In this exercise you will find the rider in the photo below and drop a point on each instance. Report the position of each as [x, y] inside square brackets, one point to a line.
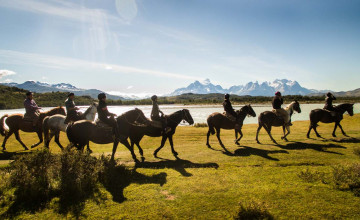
[229, 109]
[107, 117]
[31, 108]
[155, 114]
[276, 103]
[71, 109]
[328, 103]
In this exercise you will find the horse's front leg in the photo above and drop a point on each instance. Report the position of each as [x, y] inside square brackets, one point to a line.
[268, 130]
[131, 149]
[140, 149]
[336, 125]
[238, 139]
[116, 143]
[57, 140]
[39, 133]
[163, 140]
[308, 133]
[257, 134]
[172, 147]
[288, 132]
[342, 131]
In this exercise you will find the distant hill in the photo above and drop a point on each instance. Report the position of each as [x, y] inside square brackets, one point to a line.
[286, 87]
[352, 93]
[41, 87]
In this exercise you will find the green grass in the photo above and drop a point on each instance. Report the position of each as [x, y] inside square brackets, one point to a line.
[291, 180]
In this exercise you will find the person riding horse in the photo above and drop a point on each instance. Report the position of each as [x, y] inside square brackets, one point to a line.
[328, 103]
[71, 109]
[229, 110]
[276, 103]
[106, 117]
[155, 114]
[31, 108]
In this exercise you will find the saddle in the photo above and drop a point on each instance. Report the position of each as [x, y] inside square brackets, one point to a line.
[103, 125]
[156, 124]
[230, 117]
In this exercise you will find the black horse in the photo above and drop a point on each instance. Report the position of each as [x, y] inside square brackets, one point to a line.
[325, 116]
[82, 132]
[173, 120]
[217, 120]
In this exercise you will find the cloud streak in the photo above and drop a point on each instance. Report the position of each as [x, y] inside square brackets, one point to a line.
[54, 62]
[4, 73]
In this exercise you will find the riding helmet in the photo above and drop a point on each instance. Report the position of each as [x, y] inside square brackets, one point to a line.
[71, 94]
[101, 96]
[227, 96]
[154, 97]
[28, 93]
[328, 94]
[277, 93]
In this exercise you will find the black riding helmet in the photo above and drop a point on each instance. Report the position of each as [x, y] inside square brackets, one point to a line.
[153, 98]
[227, 96]
[28, 93]
[101, 96]
[71, 94]
[329, 94]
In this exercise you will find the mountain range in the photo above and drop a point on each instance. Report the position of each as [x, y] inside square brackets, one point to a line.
[286, 87]
[41, 87]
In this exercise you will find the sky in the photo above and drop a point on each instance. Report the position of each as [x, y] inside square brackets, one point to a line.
[156, 46]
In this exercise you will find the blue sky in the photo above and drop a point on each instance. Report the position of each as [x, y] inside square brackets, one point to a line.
[156, 46]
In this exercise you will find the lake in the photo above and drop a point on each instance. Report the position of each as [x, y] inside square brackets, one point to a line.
[200, 112]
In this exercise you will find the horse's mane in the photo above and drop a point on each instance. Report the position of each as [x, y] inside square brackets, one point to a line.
[89, 109]
[344, 106]
[175, 113]
[288, 106]
[54, 110]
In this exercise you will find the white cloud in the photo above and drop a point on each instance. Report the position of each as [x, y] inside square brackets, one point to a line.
[130, 87]
[4, 73]
[8, 80]
[54, 62]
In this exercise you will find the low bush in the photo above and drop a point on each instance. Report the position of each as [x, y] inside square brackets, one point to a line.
[357, 151]
[200, 125]
[310, 177]
[253, 211]
[347, 177]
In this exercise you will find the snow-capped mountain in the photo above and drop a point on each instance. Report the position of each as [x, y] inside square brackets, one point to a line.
[286, 87]
[42, 87]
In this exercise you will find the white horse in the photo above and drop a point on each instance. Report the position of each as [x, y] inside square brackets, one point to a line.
[268, 119]
[52, 125]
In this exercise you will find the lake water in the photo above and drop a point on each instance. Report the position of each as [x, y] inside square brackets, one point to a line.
[200, 112]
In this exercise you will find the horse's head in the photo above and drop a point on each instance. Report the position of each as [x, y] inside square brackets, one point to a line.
[141, 118]
[350, 109]
[250, 111]
[187, 116]
[296, 106]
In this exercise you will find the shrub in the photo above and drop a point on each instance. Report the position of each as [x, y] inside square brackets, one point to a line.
[311, 177]
[200, 125]
[347, 178]
[357, 151]
[253, 211]
[79, 175]
[34, 176]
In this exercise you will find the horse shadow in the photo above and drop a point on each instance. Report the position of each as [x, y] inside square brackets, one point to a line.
[317, 147]
[116, 178]
[344, 140]
[246, 151]
[6, 155]
[179, 165]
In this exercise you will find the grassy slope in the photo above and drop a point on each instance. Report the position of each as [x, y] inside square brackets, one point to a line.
[209, 184]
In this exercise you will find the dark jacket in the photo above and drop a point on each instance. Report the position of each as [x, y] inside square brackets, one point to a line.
[277, 102]
[328, 103]
[104, 113]
[155, 112]
[228, 108]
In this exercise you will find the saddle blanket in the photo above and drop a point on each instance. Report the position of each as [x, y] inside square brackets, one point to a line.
[156, 124]
[232, 118]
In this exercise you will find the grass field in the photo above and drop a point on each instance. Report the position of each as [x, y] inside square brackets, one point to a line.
[289, 180]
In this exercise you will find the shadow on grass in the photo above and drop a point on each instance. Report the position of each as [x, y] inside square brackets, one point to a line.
[116, 178]
[248, 151]
[5, 155]
[344, 140]
[317, 147]
[179, 165]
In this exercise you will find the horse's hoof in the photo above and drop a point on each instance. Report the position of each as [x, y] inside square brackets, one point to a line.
[208, 145]
[142, 159]
[282, 138]
[334, 135]
[175, 153]
[137, 161]
[286, 139]
[236, 142]
[155, 154]
[258, 142]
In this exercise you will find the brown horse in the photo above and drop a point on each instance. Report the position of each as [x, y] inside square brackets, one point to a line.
[16, 122]
[219, 121]
[325, 116]
[173, 120]
[268, 119]
[82, 132]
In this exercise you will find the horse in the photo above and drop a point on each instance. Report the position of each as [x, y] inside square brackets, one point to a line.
[219, 120]
[52, 125]
[325, 116]
[82, 132]
[173, 120]
[268, 119]
[16, 122]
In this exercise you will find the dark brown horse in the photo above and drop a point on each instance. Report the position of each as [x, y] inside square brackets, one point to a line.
[219, 120]
[324, 116]
[268, 119]
[173, 120]
[16, 122]
[82, 132]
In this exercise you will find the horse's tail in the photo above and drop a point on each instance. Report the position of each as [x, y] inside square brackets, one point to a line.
[3, 130]
[46, 128]
[210, 124]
